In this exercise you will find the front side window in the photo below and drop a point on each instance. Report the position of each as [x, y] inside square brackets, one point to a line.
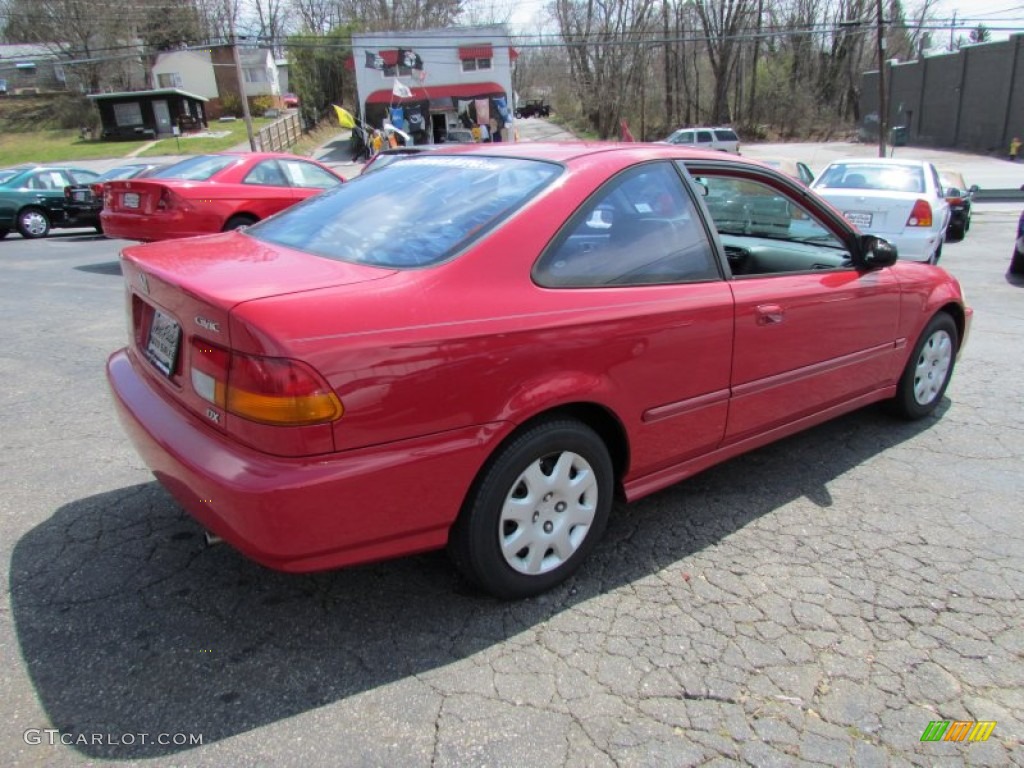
[266, 174]
[308, 176]
[415, 213]
[641, 228]
[765, 230]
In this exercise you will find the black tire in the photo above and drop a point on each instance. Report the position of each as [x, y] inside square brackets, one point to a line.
[955, 233]
[1017, 262]
[33, 222]
[3, 233]
[576, 519]
[238, 221]
[928, 369]
[98, 226]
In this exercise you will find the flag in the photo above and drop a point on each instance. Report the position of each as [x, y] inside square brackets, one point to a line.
[401, 90]
[374, 60]
[409, 59]
[345, 117]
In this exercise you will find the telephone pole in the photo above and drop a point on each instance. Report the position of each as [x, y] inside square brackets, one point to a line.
[881, 81]
[240, 75]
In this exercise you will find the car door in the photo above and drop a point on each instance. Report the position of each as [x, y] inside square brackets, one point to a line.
[812, 331]
[47, 187]
[307, 179]
[639, 249]
[266, 190]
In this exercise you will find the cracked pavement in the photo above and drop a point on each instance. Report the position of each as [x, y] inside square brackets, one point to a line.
[816, 602]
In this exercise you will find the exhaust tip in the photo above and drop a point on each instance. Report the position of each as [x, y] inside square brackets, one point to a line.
[212, 539]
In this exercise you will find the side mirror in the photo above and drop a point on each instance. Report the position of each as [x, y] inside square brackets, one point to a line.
[953, 192]
[876, 253]
[974, 188]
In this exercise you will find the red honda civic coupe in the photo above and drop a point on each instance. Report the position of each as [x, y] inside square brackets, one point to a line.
[480, 347]
[206, 194]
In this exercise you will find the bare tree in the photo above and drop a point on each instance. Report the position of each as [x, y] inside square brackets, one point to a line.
[723, 21]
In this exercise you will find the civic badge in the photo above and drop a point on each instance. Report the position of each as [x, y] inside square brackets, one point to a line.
[209, 325]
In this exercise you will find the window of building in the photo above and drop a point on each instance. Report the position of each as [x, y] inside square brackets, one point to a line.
[256, 75]
[169, 80]
[474, 65]
[128, 114]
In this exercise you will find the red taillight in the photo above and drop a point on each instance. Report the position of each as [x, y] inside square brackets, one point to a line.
[955, 200]
[271, 390]
[921, 215]
[97, 190]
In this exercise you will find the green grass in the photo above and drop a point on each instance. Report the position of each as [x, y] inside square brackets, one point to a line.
[66, 146]
[58, 147]
[202, 144]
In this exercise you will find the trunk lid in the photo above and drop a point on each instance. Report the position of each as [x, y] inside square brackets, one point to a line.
[180, 293]
[877, 213]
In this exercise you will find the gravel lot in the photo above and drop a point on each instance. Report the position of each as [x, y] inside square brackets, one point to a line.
[815, 602]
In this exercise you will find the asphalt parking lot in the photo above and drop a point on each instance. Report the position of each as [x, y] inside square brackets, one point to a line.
[817, 602]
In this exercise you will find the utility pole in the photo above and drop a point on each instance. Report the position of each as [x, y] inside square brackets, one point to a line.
[881, 80]
[241, 92]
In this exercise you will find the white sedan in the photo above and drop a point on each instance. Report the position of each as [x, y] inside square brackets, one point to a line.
[899, 200]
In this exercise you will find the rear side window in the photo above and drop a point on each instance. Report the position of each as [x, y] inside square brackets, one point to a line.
[726, 135]
[641, 228]
[704, 137]
[421, 212]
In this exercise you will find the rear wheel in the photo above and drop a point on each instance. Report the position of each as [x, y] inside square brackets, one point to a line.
[3, 233]
[239, 221]
[537, 510]
[955, 233]
[33, 222]
[98, 226]
[928, 369]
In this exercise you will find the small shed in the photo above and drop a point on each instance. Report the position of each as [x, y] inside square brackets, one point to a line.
[150, 114]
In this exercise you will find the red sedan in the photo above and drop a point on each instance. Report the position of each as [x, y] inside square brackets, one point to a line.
[480, 347]
[210, 193]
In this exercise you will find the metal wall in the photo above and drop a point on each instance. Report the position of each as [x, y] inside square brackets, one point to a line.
[972, 99]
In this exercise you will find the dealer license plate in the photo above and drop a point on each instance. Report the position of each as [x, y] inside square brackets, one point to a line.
[164, 338]
[130, 199]
[858, 218]
[79, 195]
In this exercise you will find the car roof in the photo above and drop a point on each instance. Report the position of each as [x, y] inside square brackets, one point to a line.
[564, 152]
[895, 161]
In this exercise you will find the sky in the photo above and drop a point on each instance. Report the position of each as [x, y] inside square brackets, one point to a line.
[994, 14]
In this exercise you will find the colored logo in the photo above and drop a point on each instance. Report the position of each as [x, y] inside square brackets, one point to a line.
[958, 730]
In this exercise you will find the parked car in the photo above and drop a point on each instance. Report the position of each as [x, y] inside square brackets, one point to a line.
[478, 349]
[459, 136]
[83, 202]
[290, 100]
[32, 199]
[722, 139]
[210, 193]
[960, 198]
[793, 168]
[533, 108]
[388, 156]
[900, 200]
[1017, 261]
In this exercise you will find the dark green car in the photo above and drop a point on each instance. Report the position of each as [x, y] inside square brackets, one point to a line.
[32, 199]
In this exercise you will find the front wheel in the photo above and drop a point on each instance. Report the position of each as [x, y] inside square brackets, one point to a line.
[538, 508]
[1017, 262]
[928, 370]
[33, 222]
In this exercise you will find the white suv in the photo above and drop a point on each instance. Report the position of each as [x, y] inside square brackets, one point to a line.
[722, 139]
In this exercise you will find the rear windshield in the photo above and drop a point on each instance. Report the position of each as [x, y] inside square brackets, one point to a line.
[411, 214]
[893, 178]
[726, 135]
[195, 168]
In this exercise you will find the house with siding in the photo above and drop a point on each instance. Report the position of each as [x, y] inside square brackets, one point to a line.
[210, 72]
[30, 69]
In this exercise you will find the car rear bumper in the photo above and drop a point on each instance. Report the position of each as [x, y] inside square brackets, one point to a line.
[146, 227]
[304, 514]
